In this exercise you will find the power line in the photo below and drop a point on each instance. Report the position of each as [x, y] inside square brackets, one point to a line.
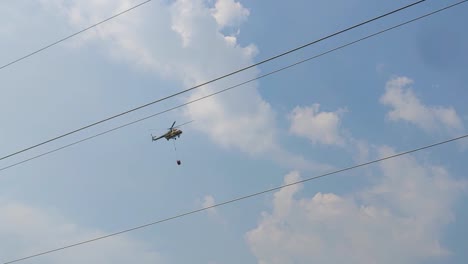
[272, 189]
[72, 35]
[238, 199]
[235, 86]
[213, 80]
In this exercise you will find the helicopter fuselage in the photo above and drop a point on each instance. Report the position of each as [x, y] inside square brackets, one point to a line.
[173, 133]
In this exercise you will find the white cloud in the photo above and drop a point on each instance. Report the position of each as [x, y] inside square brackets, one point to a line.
[183, 42]
[27, 230]
[229, 13]
[406, 106]
[398, 220]
[209, 201]
[231, 40]
[318, 127]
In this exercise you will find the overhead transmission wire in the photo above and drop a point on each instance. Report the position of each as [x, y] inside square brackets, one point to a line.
[72, 35]
[235, 86]
[239, 199]
[213, 80]
[271, 189]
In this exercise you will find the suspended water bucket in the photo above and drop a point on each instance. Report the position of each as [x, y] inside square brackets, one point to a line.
[178, 162]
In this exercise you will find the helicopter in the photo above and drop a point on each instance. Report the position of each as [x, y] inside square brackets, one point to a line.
[173, 133]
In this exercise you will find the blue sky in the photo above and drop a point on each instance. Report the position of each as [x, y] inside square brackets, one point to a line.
[397, 91]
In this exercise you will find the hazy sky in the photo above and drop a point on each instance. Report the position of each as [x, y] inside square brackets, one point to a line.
[400, 90]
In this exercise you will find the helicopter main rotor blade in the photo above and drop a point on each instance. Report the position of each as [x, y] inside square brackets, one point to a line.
[185, 123]
[173, 125]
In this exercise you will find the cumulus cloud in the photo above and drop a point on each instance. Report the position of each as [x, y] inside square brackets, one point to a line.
[406, 106]
[27, 230]
[398, 220]
[182, 42]
[319, 127]
[229, 13]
